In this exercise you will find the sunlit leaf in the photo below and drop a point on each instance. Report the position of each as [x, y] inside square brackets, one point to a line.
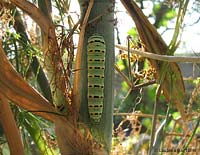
[156, 8]
[164, 23]
[125, 86]
[17, 36]
[170, 14]
[147, 123]
[120, 65]
[132, 32]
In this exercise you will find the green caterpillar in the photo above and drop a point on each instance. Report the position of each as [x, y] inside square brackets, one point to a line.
[96, 64]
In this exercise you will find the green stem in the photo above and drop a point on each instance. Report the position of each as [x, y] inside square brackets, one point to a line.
[190, 139]
[181, 13]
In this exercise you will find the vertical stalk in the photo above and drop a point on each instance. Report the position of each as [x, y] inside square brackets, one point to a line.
[155, 114]
[100, 21]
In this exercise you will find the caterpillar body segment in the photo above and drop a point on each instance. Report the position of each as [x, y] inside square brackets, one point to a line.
[96, 65]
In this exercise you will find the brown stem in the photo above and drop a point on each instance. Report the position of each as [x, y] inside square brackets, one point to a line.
[76, 87]
[35, 13]
[10, 128]
[123, 75]
[16, 89]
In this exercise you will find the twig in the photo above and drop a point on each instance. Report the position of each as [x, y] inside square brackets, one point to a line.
[35, 13]
[192, 136]
[197, 21]
[129, 64]
[177, 134]
[76, 86]
[166, 58]
[138, 86]
[155, 116]
[73, 29]
[123, 75]
[137, 114]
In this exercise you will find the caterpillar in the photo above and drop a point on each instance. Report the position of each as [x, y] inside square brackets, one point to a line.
[96, 64]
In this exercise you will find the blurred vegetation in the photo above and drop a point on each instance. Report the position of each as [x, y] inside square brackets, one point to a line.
[134, 105]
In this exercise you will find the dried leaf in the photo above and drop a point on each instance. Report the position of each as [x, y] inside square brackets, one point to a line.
[15, 88]
[10, 127]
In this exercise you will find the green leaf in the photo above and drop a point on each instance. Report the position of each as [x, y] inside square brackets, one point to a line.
[156, 8]
[16, 36]
[170, 14]
[32, 124]
[132, 32]
[147, 123]
[120, 64]
[125, 86]
[176, 115]
[163, 23]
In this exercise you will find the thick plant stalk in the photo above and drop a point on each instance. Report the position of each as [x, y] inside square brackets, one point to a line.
[10, 128]
[100, 22]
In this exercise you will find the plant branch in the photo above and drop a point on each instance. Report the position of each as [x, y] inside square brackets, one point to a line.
[138, 86]
[181, 13]
[123, 75]
[77, 76]
[129, 64]
[154, 119]
[10, 128]
[15, 88]
[35, 13]
[191, 137]
[165, 58]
